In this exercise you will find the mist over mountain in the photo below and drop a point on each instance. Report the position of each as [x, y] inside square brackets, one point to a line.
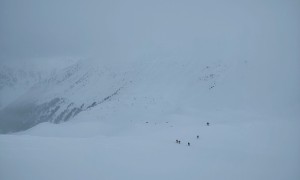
[247, 53]
[105, 89]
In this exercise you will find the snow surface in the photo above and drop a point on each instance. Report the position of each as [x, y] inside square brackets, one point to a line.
[235, 146]
[179, 64]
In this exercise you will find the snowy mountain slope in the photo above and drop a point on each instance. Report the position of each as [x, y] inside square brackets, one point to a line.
[89, 83]
[147, 89]
[17, 78]
[160, 71]
[60, 97]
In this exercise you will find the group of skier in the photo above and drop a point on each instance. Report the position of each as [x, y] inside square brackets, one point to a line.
[189, 144]
[178, 141]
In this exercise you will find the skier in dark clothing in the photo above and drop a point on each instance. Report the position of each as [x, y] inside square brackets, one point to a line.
[189, 144]
[198, 137]
[207, 123]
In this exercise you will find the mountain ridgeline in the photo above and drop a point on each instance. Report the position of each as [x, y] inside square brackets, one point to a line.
[59, 97]
[87, 84]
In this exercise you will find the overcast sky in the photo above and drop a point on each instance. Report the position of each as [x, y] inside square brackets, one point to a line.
[44, 28]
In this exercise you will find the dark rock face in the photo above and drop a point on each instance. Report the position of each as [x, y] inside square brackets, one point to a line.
[21, 117]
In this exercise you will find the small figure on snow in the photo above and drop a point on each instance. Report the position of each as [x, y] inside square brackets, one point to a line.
[177, 141]
[207, 123]
[197, 136]
[189, 144]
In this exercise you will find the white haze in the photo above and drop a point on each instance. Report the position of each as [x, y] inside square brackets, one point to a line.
[160, 53]
[264, 34]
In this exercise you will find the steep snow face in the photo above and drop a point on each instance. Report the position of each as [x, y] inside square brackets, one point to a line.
[156, 85]
[147, 88]
[16, 83]
[16, 78]
[62, 96]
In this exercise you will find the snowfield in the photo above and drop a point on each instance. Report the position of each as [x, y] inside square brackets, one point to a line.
[101, 90]
[255, 147]
[132, 135]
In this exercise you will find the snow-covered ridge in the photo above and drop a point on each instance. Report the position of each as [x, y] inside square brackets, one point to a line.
[15, 82]
[16, 78]
[61, 96]
[90, 83]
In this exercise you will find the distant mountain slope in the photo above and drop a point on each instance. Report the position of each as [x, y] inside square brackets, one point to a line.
[16, 78]
[15, 82]
[60, 97]
[90, 83]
